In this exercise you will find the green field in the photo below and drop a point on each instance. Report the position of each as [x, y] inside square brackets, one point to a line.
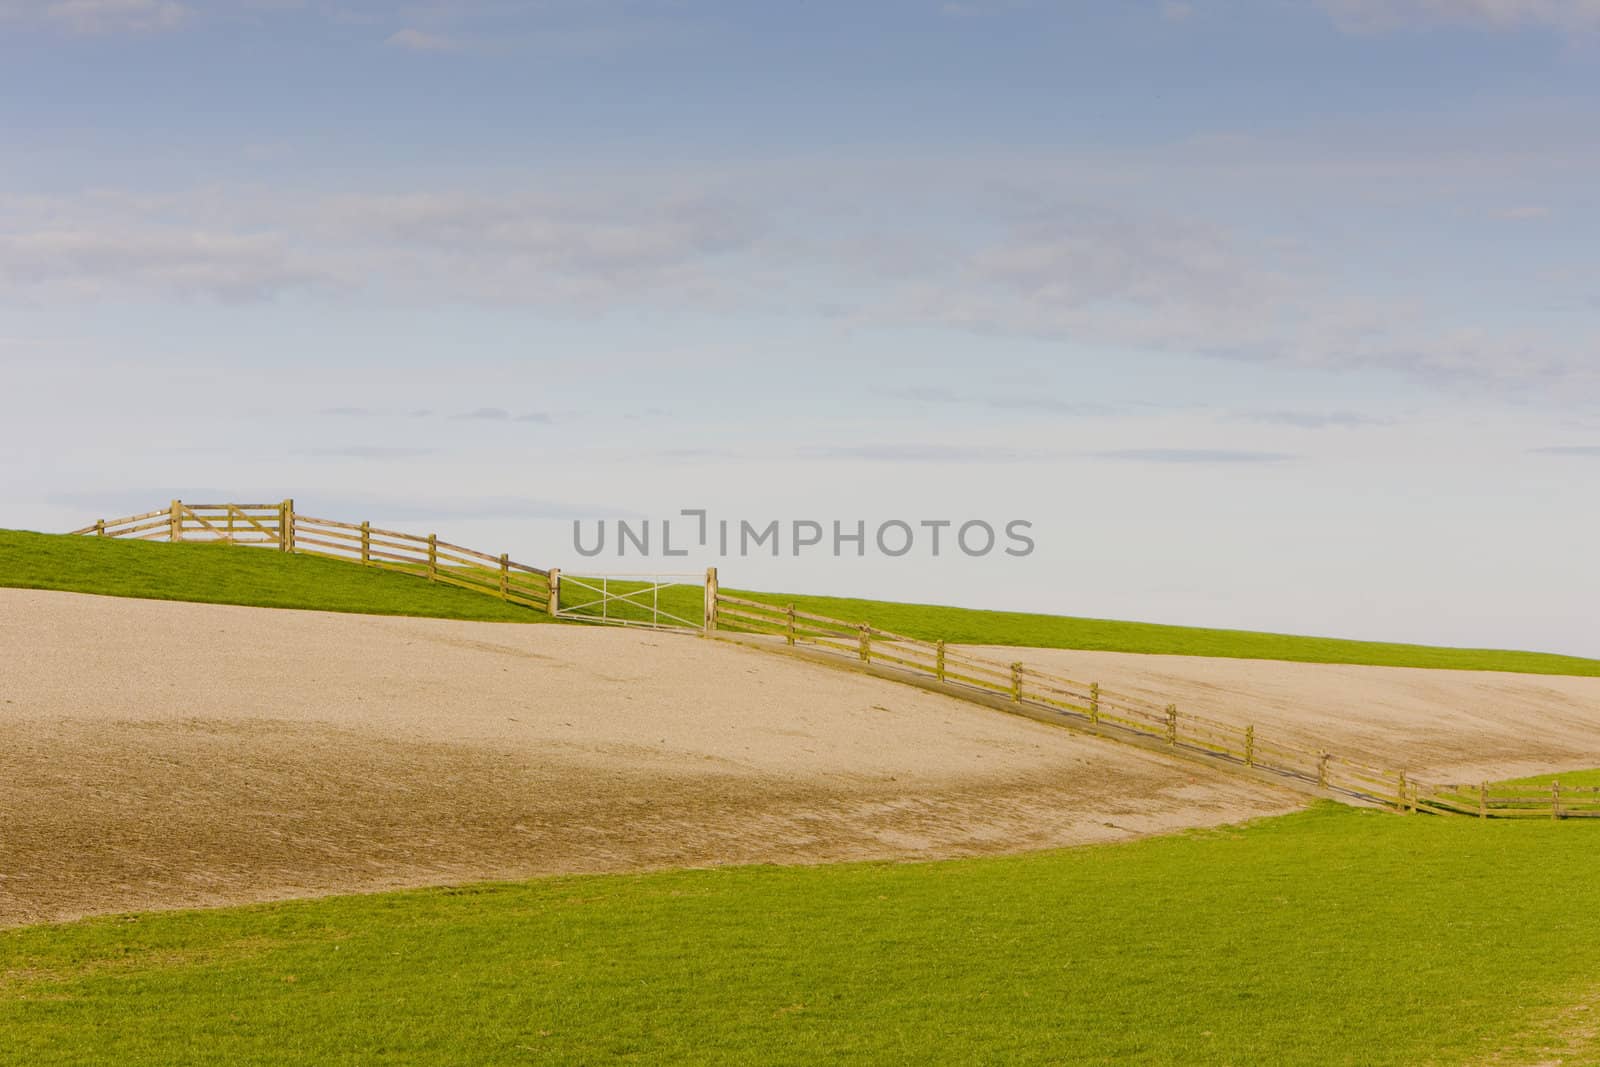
[1588, 778]
[975, 627]
[223, 575]
[1334, 936]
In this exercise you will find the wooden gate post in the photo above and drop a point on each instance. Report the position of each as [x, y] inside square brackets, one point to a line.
[1322, 770]
[1555, 800]
[1483, 800]
[433, 556]
[866, 642]
[175, 522]
[286, 525]
[1016, 683]
[1400, 797]
[100, 527]
[1094, 702]
[505, 573]
[1172, 725]
[1250, 745]
[711, 600]
[789, 624]
[553, 607]
[938, 660]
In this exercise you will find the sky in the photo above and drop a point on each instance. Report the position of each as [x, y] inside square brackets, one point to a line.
[1267, 314]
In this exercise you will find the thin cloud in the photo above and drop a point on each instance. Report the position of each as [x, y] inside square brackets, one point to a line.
[1008, 402]
[1191, 455]
[1586, 451]
[485, 415]
[1311, 420]
[414, 40]
[932, 453]
[375, 452]
[96, 17]
[537, 417]
[1376, 16]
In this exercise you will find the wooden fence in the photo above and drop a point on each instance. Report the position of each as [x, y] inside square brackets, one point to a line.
[279, 526]
[1109, 713]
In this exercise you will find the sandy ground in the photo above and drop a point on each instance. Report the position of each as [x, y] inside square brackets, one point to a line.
[1443, 726]
[160, 754]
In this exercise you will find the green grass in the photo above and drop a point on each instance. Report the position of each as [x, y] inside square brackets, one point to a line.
[1334, 936]
[220, 574]
[971, 626]
[1579, 779]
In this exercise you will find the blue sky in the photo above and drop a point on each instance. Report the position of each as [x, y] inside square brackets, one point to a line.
[1266, 314]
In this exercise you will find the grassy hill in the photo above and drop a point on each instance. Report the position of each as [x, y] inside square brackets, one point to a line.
[1333, 937]
[223, 575]
[970, 626]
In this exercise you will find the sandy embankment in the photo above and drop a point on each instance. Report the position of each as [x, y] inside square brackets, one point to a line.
[1444, 726]
[159, 754]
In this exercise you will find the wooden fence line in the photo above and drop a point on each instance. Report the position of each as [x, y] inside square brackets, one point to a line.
[1226, 743]
[280, 526]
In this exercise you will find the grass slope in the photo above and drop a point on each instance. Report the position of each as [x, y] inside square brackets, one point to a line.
[971, 626]
[220, 574]
[1333, 936]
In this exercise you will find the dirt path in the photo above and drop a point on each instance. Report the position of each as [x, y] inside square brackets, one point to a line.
[1448, 726]
[158, 754]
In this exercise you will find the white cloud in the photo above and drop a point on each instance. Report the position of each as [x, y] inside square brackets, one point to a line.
[1093, 271]
[414, 40]
[99, 16]
[109, 260]
[1379, 15]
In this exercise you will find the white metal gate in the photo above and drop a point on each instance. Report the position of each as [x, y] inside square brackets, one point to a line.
[663, 601]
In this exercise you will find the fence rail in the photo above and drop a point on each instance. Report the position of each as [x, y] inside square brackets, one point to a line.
[1233, 744]
[654, 601]
[279, 526]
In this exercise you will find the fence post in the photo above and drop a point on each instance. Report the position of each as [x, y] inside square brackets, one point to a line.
[505, 574]
[1250, 745]
[789, 625]
[433, 556]
[1094, 702]
[711, 600]
[231, 510]
[1322, 770]
[938, 660]
[1016, 683]
[1555, 800]
[1172, 724]
[1400, 794]
[553, 608]
[100, 527]
[286, 525]
[1483, 800]
[175, 522]
[866, 643]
